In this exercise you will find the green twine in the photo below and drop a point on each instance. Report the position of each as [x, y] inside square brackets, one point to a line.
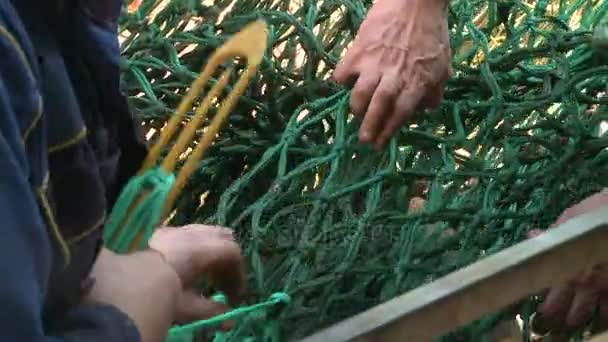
[178, 333]
[154, 185]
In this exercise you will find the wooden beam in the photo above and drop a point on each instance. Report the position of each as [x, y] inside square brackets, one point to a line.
[481, 288]
[599, 338]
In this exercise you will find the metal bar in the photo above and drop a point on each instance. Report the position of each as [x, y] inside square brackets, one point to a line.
[481, 288]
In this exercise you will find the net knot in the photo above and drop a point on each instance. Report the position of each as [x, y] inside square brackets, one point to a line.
[280, 297]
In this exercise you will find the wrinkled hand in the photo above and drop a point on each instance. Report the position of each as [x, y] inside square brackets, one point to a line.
[142, 285]
[155, 287]
[571, 305]
[197, 250]
[399, 62]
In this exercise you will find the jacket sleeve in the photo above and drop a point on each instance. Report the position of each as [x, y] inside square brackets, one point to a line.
[25, 244]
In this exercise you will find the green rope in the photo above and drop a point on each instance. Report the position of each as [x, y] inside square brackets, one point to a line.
[518, 138]
[177, 333]
[155, 184]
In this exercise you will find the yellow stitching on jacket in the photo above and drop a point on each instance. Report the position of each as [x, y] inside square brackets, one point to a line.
[34, 122]
[87, 232]
[50, 216]
[58, 147]
[11, 39]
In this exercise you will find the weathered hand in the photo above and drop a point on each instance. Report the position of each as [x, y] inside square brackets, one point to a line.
[196, 250]
[142, 285]
[570, 305]
[155, 287]
[399, 62]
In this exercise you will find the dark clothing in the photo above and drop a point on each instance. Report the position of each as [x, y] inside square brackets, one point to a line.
[67, 146]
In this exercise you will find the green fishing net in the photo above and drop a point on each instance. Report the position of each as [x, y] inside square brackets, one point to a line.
[340, 227]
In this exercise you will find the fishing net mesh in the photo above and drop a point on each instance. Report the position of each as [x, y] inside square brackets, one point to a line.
[338, 226]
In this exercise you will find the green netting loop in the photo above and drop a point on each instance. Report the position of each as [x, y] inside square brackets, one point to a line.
[178, 333]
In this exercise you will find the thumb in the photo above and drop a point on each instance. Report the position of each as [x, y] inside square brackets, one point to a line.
[345, 72]
[344, 75]
[192, 307]
[194, 251]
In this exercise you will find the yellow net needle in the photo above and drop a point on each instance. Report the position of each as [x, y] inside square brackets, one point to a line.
[250, 43]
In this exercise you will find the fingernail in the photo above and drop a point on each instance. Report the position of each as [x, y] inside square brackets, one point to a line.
[227, 325]
[539, 325]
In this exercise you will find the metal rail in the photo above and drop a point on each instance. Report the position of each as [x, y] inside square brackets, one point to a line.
[484, 287]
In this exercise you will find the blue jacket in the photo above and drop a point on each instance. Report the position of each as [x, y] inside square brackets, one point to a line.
[67, 146]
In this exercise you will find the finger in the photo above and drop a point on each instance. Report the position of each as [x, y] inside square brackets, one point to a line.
[404, 109]
[213, 229]
[594, 280]
[227, 234]
[379, 108]
[193, 307]
[582, 307]
[223, 232]
[198, 250]
[362, 93]
[345, 72]
[600, 278]
[434, 96]
[557, 303]
[196, 229]
[223, 263]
